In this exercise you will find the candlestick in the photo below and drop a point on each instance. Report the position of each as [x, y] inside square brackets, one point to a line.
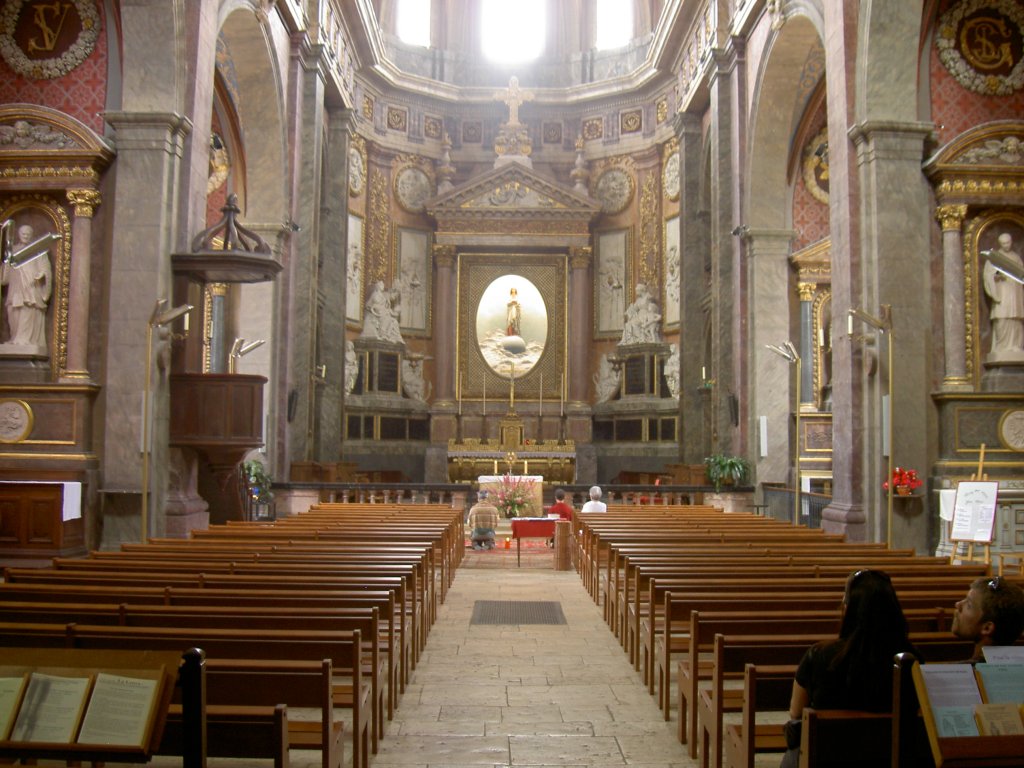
[540, 408]
[460, 393]
[561, 397]
[512, 390]
[484, 412]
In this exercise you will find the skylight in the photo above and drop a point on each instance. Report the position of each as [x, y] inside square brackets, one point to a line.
[614, 24]
[512, 33]
[413, 22]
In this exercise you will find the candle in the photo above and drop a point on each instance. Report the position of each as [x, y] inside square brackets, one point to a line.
[849, 324]
[703, 373]
[185, 321]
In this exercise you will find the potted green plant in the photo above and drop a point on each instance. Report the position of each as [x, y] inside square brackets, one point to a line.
[726, 470]
[258, 481]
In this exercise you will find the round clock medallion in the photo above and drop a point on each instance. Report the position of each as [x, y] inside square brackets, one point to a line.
[670, 177]
[412, 188]
[1011, 430]
[16, 421]
[614, 189]
[356, 172]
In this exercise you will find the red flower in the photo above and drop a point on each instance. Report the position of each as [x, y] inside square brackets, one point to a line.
[907, 477]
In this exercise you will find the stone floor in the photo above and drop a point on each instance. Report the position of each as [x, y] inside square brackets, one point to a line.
[527, 695]
[518, 696]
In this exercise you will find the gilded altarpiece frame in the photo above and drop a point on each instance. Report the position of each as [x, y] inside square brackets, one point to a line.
[46, 216]
[476, 271]
[982, 234]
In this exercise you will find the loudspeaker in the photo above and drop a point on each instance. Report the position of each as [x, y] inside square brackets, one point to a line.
[293, 404]
[734, 410]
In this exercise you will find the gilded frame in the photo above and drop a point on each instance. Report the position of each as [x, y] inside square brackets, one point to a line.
[612, 270]
[355, 270]
[476, 271]
[412, 277]
[981, 234]
[671, 275]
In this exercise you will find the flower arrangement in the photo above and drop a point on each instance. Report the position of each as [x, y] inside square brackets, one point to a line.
[514, 496]
[904, 481]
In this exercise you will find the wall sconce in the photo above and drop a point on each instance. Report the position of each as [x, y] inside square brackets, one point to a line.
[787, 351]
[240, 349]
[158, 319]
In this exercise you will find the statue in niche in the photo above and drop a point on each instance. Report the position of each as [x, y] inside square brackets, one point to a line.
[351, 366]
[381, 319]
[643, 319]
[606, 380]
[1006, 297]
[413, 384]
[672, 372]
[29, 286]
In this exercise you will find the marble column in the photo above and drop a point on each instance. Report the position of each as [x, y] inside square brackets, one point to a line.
[806, 293]
[954, 329]
[444, 330]
[896, 251]
[770, 391]
[333, 247]
[145, 211]
[579, 321]
[695, 439]
[84, 202]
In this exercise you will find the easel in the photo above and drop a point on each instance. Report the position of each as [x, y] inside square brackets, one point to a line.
[979, 475]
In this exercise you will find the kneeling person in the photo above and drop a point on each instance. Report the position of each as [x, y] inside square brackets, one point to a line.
[483, 518]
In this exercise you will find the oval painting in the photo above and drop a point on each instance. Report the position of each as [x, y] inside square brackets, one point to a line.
[511, 326]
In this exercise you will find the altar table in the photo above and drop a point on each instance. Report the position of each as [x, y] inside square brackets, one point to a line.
[532, 528]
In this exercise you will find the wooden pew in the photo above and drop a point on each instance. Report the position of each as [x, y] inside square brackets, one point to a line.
[376, 666]
[841, 738]
[349, 691]
[766, 688]
[732, 653]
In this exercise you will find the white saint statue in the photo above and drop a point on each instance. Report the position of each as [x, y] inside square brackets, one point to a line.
[1007, 306]
[606, 380]
[351, 366]
[381, 318]
[643, 320]
[29, 286]
[413, 385]
[672, 372]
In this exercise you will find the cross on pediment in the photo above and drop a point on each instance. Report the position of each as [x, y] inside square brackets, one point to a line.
[514, 97]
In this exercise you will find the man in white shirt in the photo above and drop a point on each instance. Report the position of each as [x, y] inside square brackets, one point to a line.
[595, 504]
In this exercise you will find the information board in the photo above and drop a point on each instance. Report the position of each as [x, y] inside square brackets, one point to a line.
[974, 511]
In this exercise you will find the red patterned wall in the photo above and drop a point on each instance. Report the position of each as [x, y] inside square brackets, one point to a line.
[956, 109]
[81, 93]
[810, 216]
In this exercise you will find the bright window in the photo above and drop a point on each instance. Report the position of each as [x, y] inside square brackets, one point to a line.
[512, 32]
[614, 23]
[413, 23]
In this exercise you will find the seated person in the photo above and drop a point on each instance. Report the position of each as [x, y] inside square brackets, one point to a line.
[854, 671]
[595, 504]
[483, 518]
[992, 613]
[560, 508]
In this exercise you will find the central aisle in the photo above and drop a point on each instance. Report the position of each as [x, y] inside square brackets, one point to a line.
[526, 695]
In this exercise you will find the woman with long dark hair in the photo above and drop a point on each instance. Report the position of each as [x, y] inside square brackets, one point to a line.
[854, 671]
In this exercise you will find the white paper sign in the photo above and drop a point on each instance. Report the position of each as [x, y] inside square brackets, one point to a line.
[974, 512]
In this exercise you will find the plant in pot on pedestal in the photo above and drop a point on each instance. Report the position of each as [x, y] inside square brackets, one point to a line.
[257, 485]
[727, 471]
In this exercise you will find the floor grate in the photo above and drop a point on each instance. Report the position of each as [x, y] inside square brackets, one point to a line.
[517, 612]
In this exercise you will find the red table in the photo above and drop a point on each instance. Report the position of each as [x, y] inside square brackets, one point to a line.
[532, 528]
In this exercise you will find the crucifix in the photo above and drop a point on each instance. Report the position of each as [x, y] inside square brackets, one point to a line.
[514, 98]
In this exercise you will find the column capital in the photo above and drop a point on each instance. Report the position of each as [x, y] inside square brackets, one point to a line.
[580, 256]
[805, 291]
[84, 201]
[951, 216]
[444, 255]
